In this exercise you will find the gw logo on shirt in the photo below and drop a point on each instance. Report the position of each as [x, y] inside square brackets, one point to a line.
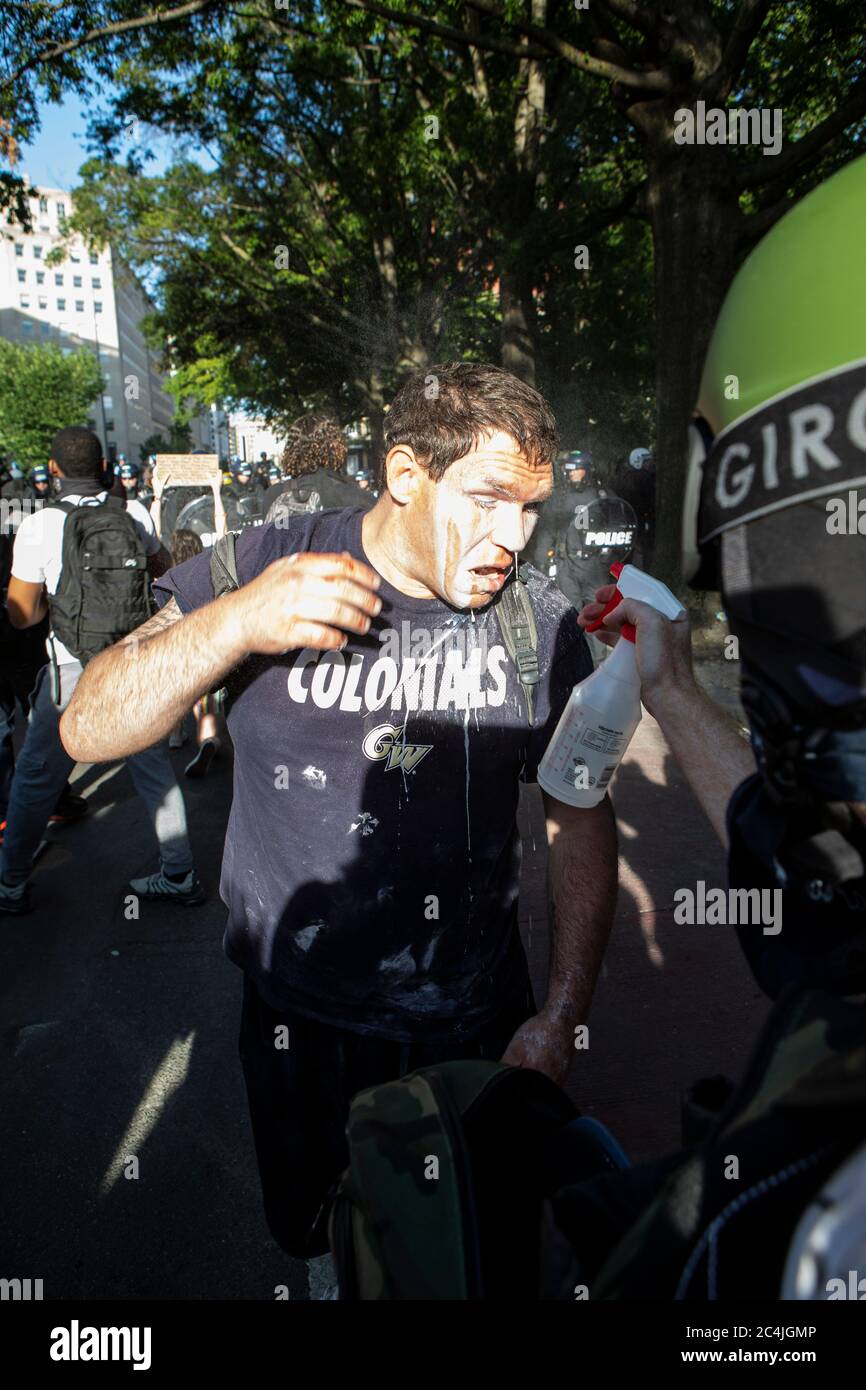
[382, 742]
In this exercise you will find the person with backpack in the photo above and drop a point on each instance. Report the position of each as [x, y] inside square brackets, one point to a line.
[86, 562]
[394, 674]
[313, 462]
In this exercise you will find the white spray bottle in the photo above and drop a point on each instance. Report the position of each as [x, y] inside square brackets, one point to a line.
[604, 710]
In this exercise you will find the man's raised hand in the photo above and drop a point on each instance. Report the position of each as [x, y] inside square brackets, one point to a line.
[306, 600]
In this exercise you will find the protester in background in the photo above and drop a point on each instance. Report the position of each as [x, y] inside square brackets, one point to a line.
[38, 567]
[313, 462]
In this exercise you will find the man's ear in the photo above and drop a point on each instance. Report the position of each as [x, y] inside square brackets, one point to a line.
[403, 473]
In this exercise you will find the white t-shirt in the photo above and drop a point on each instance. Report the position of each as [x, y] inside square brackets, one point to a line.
[38, 554]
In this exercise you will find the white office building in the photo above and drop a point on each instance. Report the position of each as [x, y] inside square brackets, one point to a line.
[250, 437]
[90, 301]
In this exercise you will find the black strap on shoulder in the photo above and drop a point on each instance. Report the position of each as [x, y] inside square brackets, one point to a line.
[224, 565]
[519, 633]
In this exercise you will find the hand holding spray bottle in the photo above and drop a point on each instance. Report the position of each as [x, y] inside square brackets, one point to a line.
[604, 710]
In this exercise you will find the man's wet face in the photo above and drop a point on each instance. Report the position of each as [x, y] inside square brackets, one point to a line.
[576, 475]
[468, 527]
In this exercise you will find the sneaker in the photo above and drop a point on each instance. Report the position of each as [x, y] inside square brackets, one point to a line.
[70, 807]
[200, 764]
[14, 898]
[157, 887]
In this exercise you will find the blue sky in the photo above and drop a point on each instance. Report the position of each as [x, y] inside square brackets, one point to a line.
[59, 150]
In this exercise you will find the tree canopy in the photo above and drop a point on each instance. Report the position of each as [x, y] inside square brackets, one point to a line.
[42, 390]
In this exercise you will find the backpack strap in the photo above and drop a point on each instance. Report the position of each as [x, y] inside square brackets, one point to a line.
[224, 565]
[520, 635]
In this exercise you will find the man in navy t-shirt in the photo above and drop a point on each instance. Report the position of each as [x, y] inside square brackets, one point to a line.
[371, 866]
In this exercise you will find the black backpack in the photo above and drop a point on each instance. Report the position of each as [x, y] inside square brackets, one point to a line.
[104, 588]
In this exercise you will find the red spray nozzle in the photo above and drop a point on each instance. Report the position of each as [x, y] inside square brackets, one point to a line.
[627, 629]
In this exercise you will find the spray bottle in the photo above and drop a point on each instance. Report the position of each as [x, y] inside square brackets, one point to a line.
[604, 710]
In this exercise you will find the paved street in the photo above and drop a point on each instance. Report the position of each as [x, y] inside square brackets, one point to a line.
[119, 1038]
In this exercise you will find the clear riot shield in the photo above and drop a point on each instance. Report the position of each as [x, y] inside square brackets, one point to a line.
[198, 516]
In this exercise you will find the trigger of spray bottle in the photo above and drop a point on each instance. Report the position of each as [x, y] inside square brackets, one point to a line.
[628, 630]
[603, 710]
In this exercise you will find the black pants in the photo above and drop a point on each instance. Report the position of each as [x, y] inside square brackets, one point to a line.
[299, 1101]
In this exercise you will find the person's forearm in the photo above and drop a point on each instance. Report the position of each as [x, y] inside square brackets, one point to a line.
[582, 882]
[131, 696]
[707, 746]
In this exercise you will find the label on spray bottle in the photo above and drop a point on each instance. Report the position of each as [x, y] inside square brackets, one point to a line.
[582, 756]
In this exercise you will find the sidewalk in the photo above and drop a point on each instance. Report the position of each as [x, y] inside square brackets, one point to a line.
[674, 1003]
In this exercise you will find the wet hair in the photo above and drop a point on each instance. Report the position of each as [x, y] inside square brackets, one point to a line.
[183, 545]
[443, 412]
[77, 453]
[314, 442]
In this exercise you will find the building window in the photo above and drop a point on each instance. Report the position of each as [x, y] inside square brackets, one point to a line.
[43, 206]
[22, 277]
[91, 424]
[108, 402]
[58, 279]
[43, 302]
[79, 306]
[24, 301]
[61, 210]
[109, 424]
[40, 277]
[96, 282]
[61, 304]
[94, 259]
[19, 248]
[27, 328]
[37, 252]
[75, 257]
[97, 306]
[46, 329]
[44, 227]
[76, 282]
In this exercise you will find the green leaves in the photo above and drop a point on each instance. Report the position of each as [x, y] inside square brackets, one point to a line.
[41, 391]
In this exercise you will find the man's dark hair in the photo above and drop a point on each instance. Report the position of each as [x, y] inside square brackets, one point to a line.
[77, 452]
[313, 442]
[183, 544]
[442, 413]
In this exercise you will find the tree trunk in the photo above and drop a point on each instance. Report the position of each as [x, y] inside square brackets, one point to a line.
[518, 325]
[695, 222]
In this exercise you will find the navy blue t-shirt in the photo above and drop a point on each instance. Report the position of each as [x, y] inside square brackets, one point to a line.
[372, 858]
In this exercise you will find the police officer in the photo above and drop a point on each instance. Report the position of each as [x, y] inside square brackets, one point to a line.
[128, 474]
[244, 496]
[364, 480]
[635, 482]
[40, 482]
[590, 529]
[557, 512]
[16, 487]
